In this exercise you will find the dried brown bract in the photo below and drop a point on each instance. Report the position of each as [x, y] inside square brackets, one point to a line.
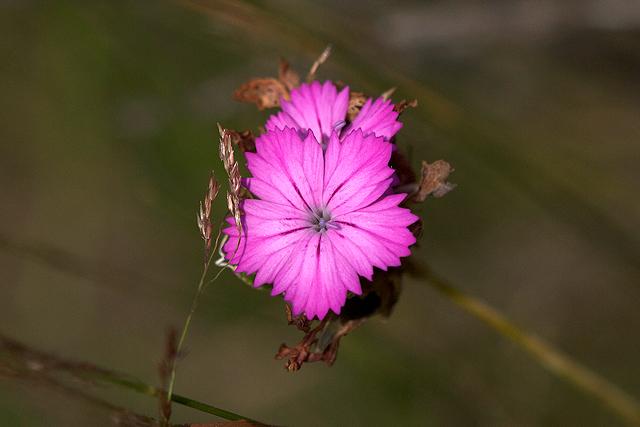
[434, 180]
[204, 214]
[387, 93]
[320, 344]
[264, 92]
[301, 322]
[356, 101]
[321, 60]
[404, 104]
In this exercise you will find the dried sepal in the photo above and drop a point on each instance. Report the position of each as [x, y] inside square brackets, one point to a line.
[287, 75]
[264, 92]
[319, 344]
[433, 181]
[204, 214]
[318, 62]
[356, 101]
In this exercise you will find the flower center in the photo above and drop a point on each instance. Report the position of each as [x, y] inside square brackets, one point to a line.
[321, 221]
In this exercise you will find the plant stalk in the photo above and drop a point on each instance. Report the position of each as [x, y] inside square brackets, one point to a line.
[22, 362]
[187, 324]
[554, 360]
[149, 390]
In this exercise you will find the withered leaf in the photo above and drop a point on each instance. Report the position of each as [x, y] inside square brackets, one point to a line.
[434, 180]
[321, 343]
[264, 92]
[301, 322]
[404, 104]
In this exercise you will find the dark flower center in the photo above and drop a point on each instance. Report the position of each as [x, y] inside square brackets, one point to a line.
[321, 221]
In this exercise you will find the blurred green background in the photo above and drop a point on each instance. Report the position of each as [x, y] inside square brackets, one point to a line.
[107, 137]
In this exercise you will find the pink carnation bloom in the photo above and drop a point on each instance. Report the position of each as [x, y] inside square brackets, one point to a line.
[323, 217]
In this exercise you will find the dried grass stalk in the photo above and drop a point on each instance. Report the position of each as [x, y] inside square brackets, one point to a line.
[204, 214]
[227, 156]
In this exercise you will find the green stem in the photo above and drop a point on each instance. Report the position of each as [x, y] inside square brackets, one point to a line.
[140, 387]
[557, 362]
[19, 360]
[187, 324]
[194, 304]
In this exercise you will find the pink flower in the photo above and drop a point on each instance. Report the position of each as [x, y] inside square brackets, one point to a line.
[322, 110]
[321, 218]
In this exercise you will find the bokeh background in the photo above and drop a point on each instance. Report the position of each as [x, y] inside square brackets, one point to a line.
[107, 136]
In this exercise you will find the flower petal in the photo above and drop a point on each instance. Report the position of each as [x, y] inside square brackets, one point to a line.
[357, 172]
[315, 107]
[286, 169]
[376, 117]
[381, 228]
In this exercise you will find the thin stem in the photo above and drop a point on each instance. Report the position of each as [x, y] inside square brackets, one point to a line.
[140, 387]
[194, 305]
[187, 324]
[557, 362]
[22, 359]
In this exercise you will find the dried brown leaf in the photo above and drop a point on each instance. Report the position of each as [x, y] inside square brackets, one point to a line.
[301, 322]
[264, 92]
[404, 104]
[434, 180]
[321, 343]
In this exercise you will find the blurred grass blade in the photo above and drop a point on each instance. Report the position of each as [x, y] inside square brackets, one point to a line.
[23, 362]
[555, 361]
